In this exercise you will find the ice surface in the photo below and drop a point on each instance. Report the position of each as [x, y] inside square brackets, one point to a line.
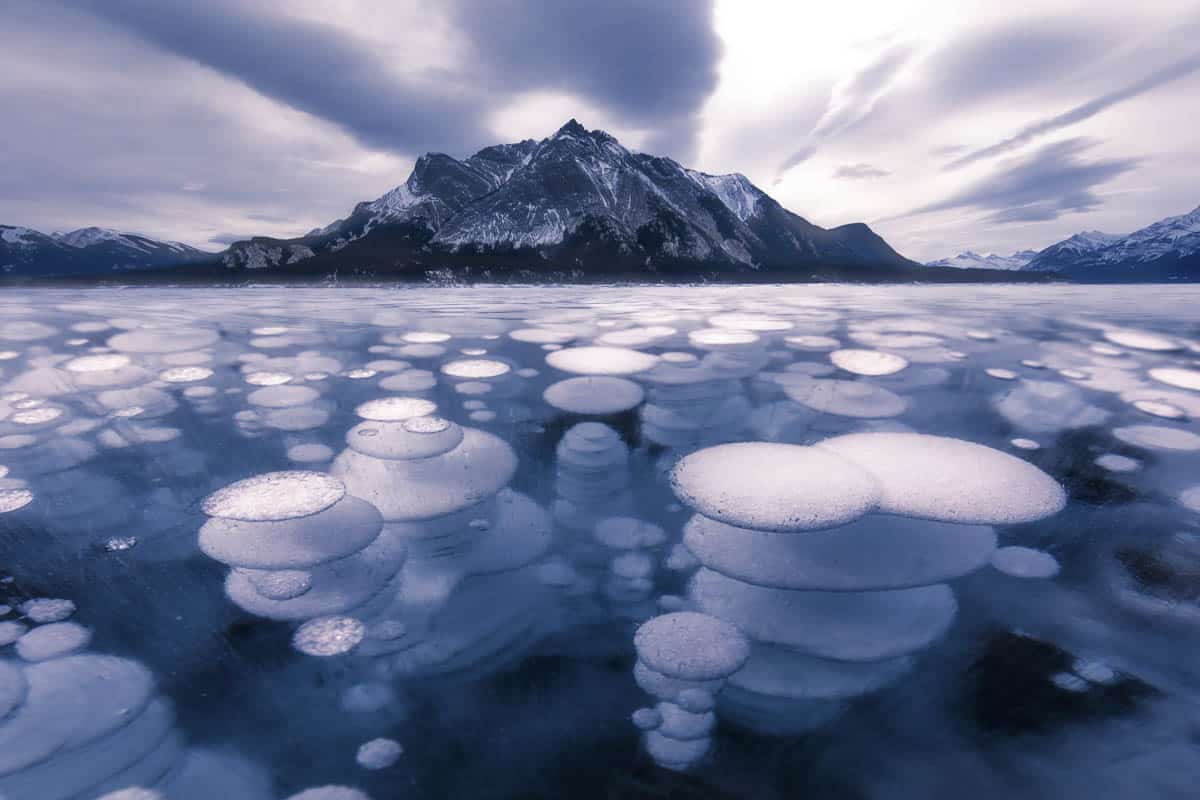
[485, 544]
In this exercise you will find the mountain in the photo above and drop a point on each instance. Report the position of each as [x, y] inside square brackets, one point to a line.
[972, 260]
[1167, 250]
[88, 251]
[574, 205]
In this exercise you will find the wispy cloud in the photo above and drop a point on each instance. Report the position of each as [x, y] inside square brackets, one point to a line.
[860, 171]
[1053, 181]
[1079, 113]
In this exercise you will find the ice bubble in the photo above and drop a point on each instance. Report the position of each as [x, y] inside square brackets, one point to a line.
[1024, 444]
[275, 496]
[1047, 407]
[774, 487]
[636, 337]
[1191, 498]
[14, 499]
[284, 584]
[1117, 463]
[395, 409]
[134, 793]
[47, 609]
[1158, 437]
[336, 532]
[285, 396]
[37, 416]
[366, 698]
[696, 701]
[152, 341]
[812, 342]
[867, 362]
[1178, 377]
[845, 626]
[875, 552]
[360, 374]
[378, 753]
[330, 792]
[328, 636]
[410, 380]
[310, 453]
[1094, 671]
[1001, 374]
[680, 723]
[106, 362]
[1025, 562]
[1032, 363]
[426, 337]
[543, 335]
[1157, 408]
[1141, 340]
[718, 338]
[749, 322]
[11, 631]
[856, 399]
[267, 378]
[628, 533]
[675, 753]
[594, 395]
[1069, 682]
[387, 630]
[119, 544]
[13, 687]
[646, 719]
[691, 646]
[951, 480]
[53, 640]
[601, 360]
[185, 374]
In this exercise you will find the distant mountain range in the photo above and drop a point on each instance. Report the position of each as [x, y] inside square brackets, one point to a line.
[579, 206]
[972, 260]
[1168, 250]
[88, 252]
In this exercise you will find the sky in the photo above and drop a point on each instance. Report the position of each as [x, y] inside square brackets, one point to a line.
[946, 125]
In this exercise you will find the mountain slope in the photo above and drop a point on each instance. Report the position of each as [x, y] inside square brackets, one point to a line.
[1166, 250]
[88, 251]
[575, 203]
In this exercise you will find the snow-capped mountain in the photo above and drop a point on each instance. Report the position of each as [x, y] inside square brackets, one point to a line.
[972, 260]
[1167, 250]
[575, 202]
[25, 252]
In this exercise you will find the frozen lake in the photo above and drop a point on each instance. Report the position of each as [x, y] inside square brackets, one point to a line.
[602, 542]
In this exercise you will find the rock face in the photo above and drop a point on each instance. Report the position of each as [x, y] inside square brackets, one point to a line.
[577, 201]
[1167, 250]
[88, 251]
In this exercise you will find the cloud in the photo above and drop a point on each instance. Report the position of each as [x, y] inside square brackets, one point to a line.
[315, 68]
[1160, 77]
[854, 99]
[1054, 181]
[651, 62]
[860, 171]
[798, 157]
[1014, 55]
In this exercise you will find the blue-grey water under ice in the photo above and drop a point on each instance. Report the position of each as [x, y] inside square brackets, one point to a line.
[605, 542]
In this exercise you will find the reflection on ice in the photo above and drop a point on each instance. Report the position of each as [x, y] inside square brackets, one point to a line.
[268, 544]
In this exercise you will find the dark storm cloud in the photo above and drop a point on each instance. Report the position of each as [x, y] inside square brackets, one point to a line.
[1053, 181]
[652, 63]
[228, 238]
[1160, 77]
[312, 67]
[860, 171]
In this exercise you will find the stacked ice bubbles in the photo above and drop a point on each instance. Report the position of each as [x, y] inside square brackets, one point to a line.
[467, 595]
[300, 546]
[833, 560]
